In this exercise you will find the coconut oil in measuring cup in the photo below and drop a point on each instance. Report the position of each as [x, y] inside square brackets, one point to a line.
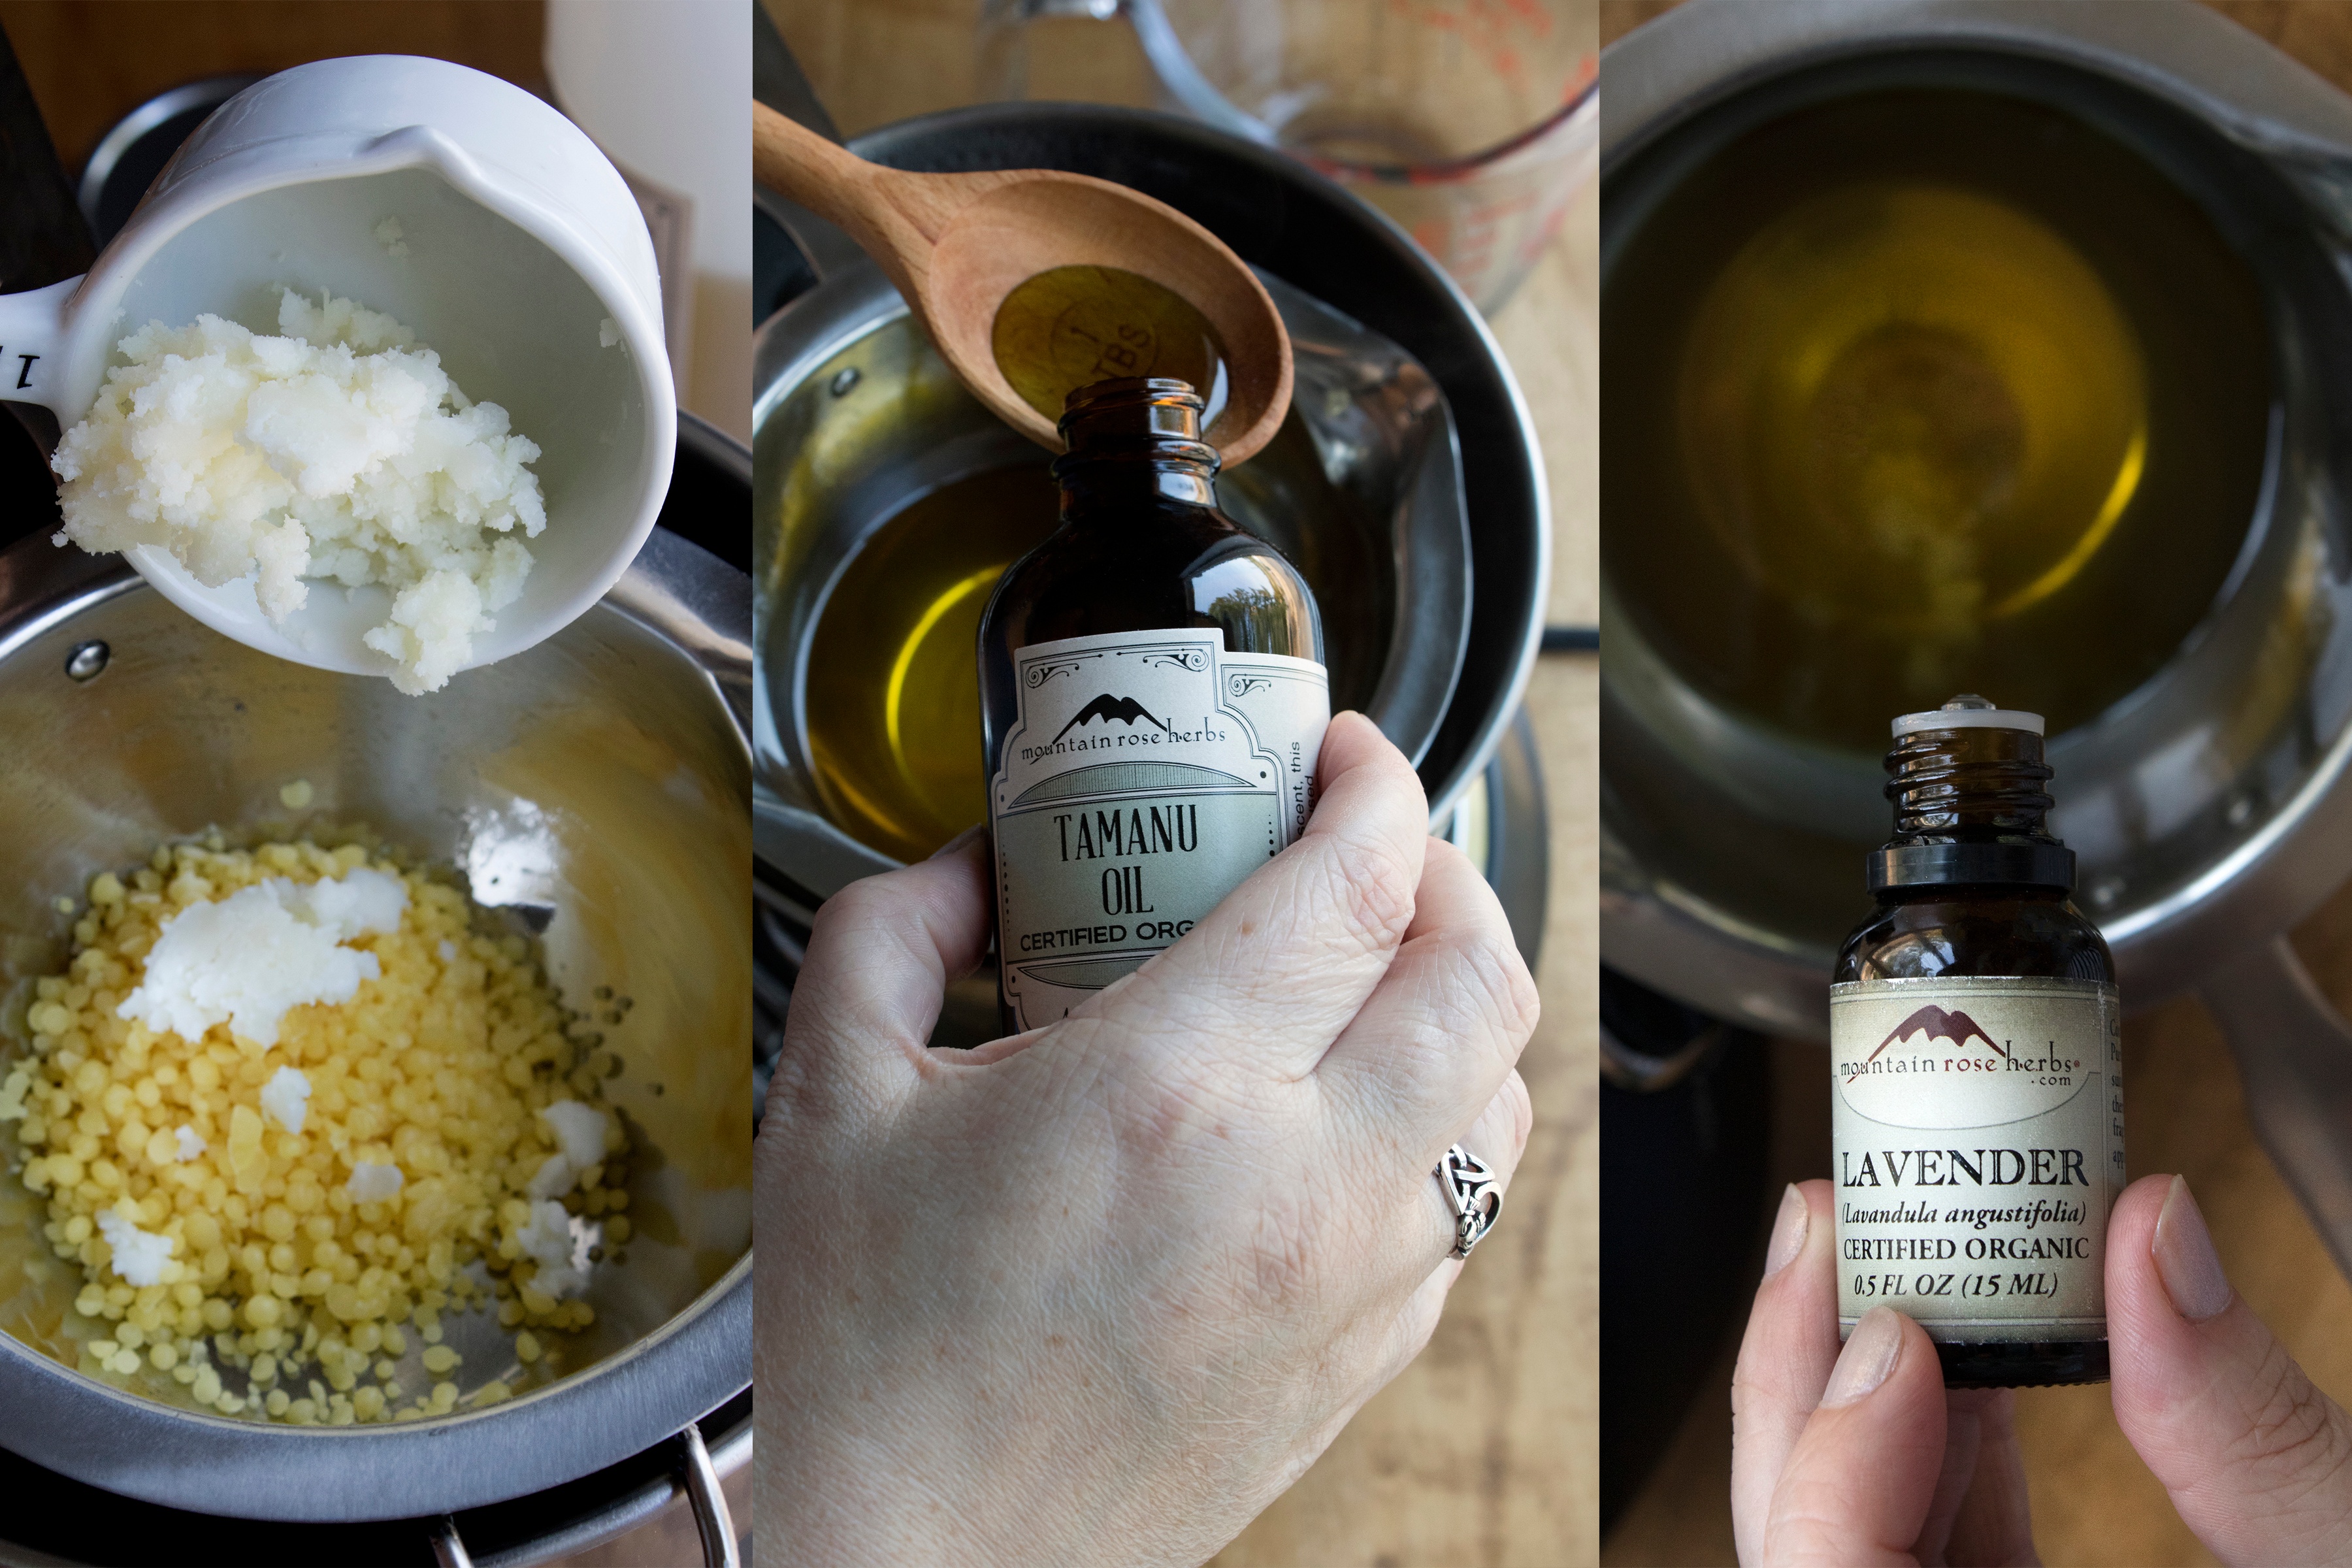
[467, 212]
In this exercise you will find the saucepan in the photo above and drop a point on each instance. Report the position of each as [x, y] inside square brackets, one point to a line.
[593, 791]
[1407, 481]
[2209, 803]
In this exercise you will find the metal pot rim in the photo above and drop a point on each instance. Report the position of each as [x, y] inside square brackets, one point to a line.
[2178, 50]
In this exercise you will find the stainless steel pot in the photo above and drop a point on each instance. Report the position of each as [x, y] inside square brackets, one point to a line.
[1362, 487]
[1463, 557]
[594, 787]
[2208, 806]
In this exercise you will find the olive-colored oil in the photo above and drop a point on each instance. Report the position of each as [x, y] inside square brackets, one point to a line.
[1926, 389]
[1913, 407]
[1073, 326]
[893, 701]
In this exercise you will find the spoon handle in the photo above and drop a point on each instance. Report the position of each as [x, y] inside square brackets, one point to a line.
[822, 175]
[894, 218]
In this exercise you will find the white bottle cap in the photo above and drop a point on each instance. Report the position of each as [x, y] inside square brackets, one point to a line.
[1968, 711]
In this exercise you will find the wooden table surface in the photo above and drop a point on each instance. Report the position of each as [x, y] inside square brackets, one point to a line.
[1484, 1453]
[92, 61]
[2094, 1501]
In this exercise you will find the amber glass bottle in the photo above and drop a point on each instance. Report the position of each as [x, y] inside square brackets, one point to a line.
[1152, 701]
[1976, 1100]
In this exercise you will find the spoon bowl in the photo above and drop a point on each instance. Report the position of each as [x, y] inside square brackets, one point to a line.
[956, 245]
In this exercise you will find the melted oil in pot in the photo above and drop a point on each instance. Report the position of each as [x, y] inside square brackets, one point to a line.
[893, 697]
[1924, 391]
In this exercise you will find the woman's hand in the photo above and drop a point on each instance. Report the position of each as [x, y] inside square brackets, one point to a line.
[1859, 1456]
[1099, 1292]
[2257, 1461]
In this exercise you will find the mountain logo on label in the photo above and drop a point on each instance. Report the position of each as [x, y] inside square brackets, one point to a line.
[1947, 1070]
[1125, 709]
[1938, 1025]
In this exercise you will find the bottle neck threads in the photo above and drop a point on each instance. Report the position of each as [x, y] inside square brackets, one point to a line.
[1969, 807]
[1113, 427]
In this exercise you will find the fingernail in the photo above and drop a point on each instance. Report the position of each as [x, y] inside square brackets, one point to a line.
[1788, 1228]
[955, 844]
[1867, 1358]
[2184, 1258]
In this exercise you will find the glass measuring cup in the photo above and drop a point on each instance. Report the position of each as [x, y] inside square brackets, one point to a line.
[1471, 122]
[523, 261]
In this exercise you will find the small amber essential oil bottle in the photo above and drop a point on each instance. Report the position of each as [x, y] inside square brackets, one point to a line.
[1152, 702]
[1975, 1042]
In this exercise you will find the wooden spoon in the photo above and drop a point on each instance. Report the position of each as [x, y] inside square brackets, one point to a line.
[956, 245]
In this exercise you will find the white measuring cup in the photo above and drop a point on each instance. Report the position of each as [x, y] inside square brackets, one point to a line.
[519, 252]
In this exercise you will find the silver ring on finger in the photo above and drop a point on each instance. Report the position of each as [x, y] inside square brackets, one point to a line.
[1477, 1196]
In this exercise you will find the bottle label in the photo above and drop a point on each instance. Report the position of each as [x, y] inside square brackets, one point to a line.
[1147, 774]
[1977, 1139]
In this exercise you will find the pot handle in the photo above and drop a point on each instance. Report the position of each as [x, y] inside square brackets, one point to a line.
[712, 1520]
[2294, 1058]
[448, 1548]
[697, 1478]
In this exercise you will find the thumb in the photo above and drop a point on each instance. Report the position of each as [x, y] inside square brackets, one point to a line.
[879, 960]
[2258, 1461]
[1863, 1474]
